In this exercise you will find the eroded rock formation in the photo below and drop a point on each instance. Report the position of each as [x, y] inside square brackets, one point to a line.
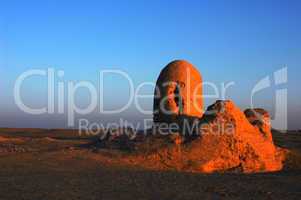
[222, 139]
[227, 142]
[235, 143]
[178, 92]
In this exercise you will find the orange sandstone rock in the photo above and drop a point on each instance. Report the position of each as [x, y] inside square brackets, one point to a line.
[226, 139]
[227, 142]
[178, 92]
[237, 145]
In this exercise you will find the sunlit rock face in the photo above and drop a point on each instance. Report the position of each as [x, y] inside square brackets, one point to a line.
[178, 92]
[227, 142]
[236, 143]
[226, 139]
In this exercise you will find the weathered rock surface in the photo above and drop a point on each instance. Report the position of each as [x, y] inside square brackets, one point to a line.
[261, 119]
[178, 92]
[236, 144]
[227, 142]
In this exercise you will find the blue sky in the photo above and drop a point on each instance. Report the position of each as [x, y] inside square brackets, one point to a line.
[230, 40]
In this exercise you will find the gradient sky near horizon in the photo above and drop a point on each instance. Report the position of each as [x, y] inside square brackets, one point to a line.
[227, 40]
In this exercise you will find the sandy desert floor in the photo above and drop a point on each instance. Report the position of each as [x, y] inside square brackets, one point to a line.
[57, 164]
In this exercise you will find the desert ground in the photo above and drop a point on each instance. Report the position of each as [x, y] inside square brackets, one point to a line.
[59, 164]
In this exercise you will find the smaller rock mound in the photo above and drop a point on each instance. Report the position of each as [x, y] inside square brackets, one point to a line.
[227, 142]
[236, 143]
